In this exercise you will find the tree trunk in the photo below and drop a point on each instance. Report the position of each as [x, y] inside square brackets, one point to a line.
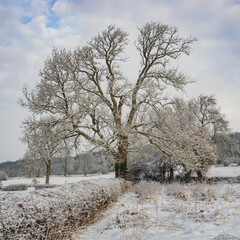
[65, 169]
[85, 167]
[188, 176]
[163, 173]
[171, 174]
[121, 158]
[200, 176]
[121, 168]
[39, 173]
[49, 165]
[30, 173]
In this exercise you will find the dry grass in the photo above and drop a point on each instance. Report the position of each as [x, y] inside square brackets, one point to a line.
[148, 191]
[193, 201]
[166, 207]
[131, 236]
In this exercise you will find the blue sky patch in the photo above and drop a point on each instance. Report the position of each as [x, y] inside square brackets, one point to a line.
[52, 20]
[4, 43]
[26, 19]
[51, 3]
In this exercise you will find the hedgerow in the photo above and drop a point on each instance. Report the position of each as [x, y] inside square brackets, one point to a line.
[53, 213]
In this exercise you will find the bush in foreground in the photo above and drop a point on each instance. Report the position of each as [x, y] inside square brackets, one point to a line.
[53, 213]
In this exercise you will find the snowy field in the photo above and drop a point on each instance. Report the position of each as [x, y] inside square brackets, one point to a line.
[56, 179]
[224, 171]
[213, 172]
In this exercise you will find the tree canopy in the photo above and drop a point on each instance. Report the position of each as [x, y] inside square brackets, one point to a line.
[88, 93]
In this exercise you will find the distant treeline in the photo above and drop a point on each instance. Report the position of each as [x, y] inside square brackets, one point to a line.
[228, 148]
[85, 163]
[228, 151]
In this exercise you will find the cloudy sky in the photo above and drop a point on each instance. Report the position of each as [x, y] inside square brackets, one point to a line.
[29, 29]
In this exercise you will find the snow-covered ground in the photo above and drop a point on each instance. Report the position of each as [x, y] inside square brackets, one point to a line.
[224, 171]
[56, 179]
[182, 212]
[152, 211]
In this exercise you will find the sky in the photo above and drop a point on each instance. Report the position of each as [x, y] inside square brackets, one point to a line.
[29, 29]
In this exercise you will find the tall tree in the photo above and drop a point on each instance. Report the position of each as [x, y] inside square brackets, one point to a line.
[87, 89]
[208, 114]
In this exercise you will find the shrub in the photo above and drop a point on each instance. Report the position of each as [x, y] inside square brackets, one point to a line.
[42, 186]
[15, 187]
[34, 182]
[3, 176]
[226, 163]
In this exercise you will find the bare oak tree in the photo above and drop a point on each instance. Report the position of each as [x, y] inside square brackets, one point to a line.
[87, 89]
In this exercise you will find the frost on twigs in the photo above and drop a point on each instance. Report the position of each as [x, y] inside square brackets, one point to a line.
[53, 213]
[148, 190]
[225, 237]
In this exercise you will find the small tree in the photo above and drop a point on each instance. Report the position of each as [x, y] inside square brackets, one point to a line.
[64, 154]
[39, 167]
[86, 162]
[181, 137]
[3, 176]
[209, 116]
[67, 164]
[44, 138]
[28, 163]
[204, 151]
